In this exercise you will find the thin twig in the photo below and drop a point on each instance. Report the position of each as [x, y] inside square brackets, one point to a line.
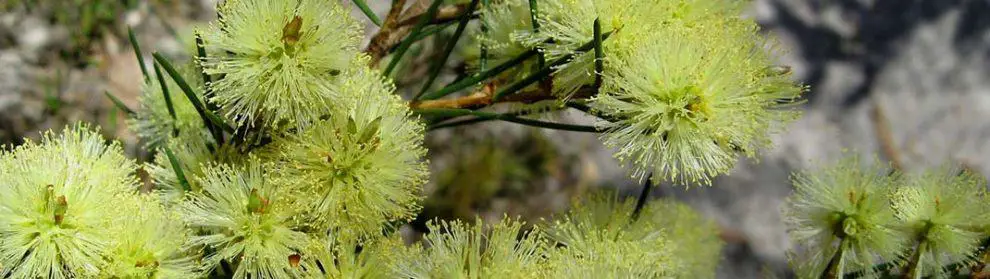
[881, 127]
[380, 45]
[444, 14]
[483, 98]
[508, 117]
[643, 195]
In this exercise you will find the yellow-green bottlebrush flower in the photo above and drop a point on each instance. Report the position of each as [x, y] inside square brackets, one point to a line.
[57, 200]
[569, 24]
[154, 122]
[279, 58]
[363, 165]
[695, 238]
[599, 239]
[841, 220]
[342, 258]
[941, 209]
[687, 106]
[457, 250]
[149, 241]
[250, 222]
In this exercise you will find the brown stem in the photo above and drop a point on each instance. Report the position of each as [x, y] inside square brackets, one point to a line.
[380, 42]
[913, 269]
[444, 14]
[836, 266]
[392, 33]
[983, 260]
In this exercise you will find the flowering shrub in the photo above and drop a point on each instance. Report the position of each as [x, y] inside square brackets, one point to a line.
[284, 151]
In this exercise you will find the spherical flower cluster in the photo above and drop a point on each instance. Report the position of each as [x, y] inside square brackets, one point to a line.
[149, 241]
[684, 108]
[57, 204]
[356, 258]
[457, 250]
[155, 123]
[841, 214]
[695, 238]
[279, 59]
[600, 238]
[249, 221]
[360, 167]
[566, 25]
[938, 208]
[685, 85]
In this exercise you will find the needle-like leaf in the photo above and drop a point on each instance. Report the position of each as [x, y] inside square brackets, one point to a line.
[368, 12]
[451, 43]
[165, 93]
[503, 117]
[406, 43]
[137, 53]
[177, 168]
[471, 81]
[214, 123]
[599, 54]
[119, 104]
[544, 72]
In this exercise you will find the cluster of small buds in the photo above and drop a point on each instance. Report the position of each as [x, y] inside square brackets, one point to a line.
[854, 219]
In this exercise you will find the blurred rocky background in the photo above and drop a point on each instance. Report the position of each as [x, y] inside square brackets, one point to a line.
[907, 81]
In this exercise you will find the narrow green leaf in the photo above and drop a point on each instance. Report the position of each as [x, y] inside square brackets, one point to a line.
[119, 104]
[503, 117]
[207, 80]
[544, 72]
[586, 109]
[351, 126]
[451, 43]
[471, 81]
[211, 120]
[165, 93]
[599, 54]
[483, 57]
[137, 53]
[406, 43]
[177, 168]
[427, 32]
[112, 119]
[367, 11]
[370, 131]
[534, 12]
[461, 122]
